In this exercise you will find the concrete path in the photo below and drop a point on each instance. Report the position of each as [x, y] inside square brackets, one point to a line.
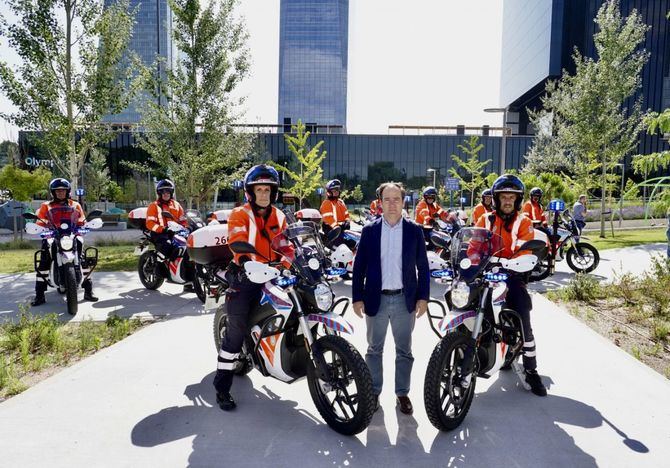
[148, 401]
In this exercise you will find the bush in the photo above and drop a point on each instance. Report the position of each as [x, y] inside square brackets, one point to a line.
[584, 288]
[660, 330]
[18, 244]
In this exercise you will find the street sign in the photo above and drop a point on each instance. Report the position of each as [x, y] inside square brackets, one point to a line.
[463, 200]
[238, 184]
[452, 184]
[80, 192]
[319, 191]
[408, 199]
[415, 196]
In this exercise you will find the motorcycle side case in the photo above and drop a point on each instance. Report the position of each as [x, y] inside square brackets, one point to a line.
[137, 218]
[209, 245]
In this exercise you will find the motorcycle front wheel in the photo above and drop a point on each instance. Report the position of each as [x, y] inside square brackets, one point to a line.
[345, 401]
[146, 269]
[447, 402]
[582, 258]
[70, 280]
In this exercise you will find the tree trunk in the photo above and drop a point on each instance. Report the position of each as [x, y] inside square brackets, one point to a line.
[603, 194]
[72, 152]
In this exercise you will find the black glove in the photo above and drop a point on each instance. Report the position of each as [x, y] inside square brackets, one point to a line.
[346, 225]
[169, 233]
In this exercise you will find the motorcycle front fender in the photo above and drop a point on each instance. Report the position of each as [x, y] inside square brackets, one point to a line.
[66, 257]
[333, 321]
[452, 322]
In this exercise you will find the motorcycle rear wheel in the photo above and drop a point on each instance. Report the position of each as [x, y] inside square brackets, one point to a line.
[446, 402]
[584, 263]
[343, 410]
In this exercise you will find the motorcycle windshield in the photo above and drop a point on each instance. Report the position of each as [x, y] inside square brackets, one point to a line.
[60, 215]
[471, 249]
[300, 244]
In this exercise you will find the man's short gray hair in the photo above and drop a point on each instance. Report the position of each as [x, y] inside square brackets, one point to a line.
[386, 185]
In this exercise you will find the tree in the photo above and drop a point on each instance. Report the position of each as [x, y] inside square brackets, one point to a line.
[547, 153]
[590, 118]
[73, 71]
[24, 184]
[96, 175]
[191, 138]
[355, 194]
[9, 153]
[308, 173]
[472, 167]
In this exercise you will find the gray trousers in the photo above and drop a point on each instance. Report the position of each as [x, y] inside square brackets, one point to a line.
[394, 311]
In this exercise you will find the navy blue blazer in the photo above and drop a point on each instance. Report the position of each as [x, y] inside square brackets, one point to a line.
[367, 274]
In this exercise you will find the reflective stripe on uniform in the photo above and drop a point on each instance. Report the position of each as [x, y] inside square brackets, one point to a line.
[515, 231]
[281, 217]
[226, 355]
[225, 365]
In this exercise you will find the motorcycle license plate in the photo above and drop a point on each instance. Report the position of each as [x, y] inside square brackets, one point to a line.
[212, 302]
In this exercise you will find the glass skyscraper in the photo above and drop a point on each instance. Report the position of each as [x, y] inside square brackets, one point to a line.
[538, 40]
[313, 54]
[151, 37]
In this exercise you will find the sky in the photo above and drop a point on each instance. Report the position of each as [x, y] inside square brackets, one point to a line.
[424, 62]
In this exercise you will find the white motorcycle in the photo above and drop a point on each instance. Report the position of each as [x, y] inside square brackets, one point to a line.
[70, 263]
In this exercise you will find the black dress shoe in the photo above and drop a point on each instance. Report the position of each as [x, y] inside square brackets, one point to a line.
[405, 405]
[225, 401]
[189, 288]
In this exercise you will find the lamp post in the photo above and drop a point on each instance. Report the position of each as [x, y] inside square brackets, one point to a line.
[503, 143]
[434, 171]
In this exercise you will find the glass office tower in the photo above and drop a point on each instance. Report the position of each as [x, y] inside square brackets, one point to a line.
[313, 42]
[539, 37]
[151, 37]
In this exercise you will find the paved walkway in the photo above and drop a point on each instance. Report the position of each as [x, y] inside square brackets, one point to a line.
[148, 401]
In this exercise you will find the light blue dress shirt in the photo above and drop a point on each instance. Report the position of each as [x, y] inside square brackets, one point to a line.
[391, 255]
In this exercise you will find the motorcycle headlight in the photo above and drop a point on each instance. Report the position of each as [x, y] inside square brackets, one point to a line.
[323, 296]
[460, 294]
[66, 243]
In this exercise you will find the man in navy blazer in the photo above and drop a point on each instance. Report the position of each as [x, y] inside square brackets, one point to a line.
[391, 284]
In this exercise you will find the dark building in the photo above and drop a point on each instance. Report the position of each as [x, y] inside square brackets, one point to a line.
[539, 37]
[151, 38]
[313, 56]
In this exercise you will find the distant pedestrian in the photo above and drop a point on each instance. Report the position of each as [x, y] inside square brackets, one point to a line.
[579, 212]
[391, 284]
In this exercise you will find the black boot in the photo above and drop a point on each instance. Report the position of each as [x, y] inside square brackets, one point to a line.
[225, 401]
[189, 288]
[40, 289]
[535, 382]
[39, 299]
[88, 291]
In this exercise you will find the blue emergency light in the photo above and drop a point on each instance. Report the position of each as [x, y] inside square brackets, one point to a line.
[556, 205]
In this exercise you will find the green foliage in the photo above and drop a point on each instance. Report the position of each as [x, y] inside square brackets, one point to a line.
[18, 244]
[192, 138]
[307, 174]
[356, 194]
[34, 343]
[553, 185]
[96, 175]
[582, 287]
[114, 192]
[660, 330]
[24, 184]
[589, 117]
[72, 72]
[471, 168]
[9, 153]
[548, 153]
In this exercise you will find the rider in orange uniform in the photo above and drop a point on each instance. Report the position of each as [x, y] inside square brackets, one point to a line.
[508, 222]
[257, 223]
[60, 193]
[485, 207]
[376, 205]
[533, 209]
[334, 211]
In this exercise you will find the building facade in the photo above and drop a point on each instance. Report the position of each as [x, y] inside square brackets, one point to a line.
[539, 37]
[151, 38]
[313, 60]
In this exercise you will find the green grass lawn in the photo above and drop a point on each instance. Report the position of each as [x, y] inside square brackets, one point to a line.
[110, 258]
[627, 238]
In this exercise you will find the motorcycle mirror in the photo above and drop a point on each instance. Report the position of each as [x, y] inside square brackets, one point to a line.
[333, 234]
[241, 247]
[167, 215]
[93, 214]
[439, 240]
[29, 216]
